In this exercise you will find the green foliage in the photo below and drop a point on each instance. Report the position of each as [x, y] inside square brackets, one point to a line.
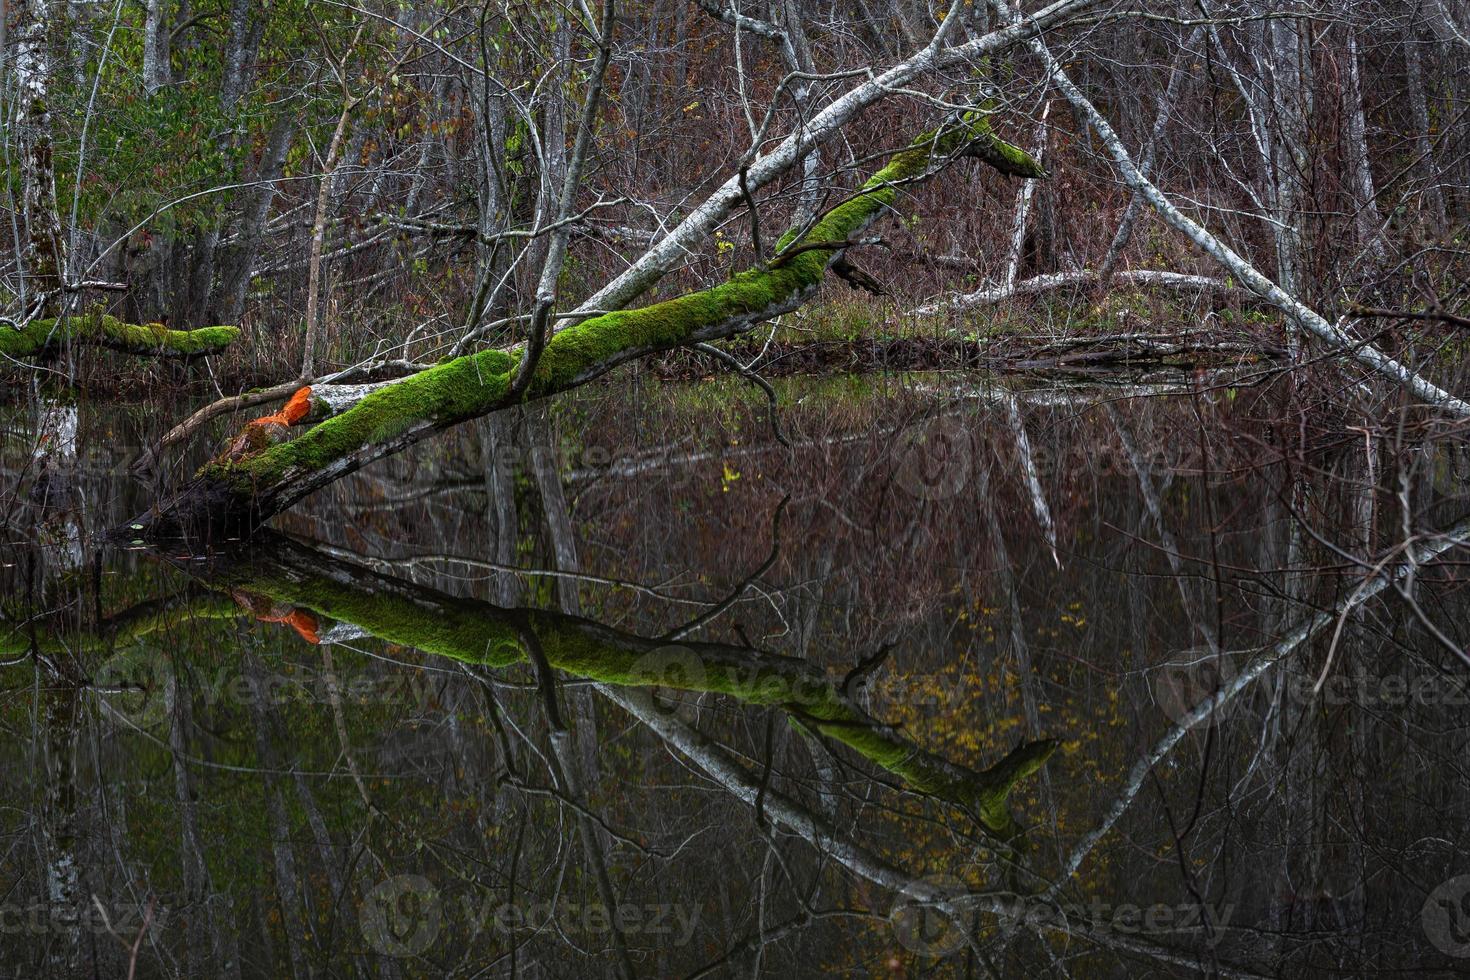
[144, 154]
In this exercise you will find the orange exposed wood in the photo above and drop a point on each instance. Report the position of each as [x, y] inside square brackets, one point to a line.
[303, 621]
[268, 429]
[300, 620]
[296, 409]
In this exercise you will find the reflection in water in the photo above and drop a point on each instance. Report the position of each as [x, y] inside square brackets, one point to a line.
[971, 684]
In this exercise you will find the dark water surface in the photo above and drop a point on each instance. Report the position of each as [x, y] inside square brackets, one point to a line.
[627, 687]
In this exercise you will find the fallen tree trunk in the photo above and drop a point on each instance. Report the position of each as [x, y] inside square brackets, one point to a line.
[357, 424]
[100, 330]
[1052, 281]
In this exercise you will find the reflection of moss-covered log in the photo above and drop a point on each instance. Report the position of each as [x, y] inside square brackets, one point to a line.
[53, 636]
[478, 632]
[99, 330]
[236, 493]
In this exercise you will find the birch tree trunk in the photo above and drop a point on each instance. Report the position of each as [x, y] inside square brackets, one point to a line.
[41, 256]
[155, 47]
[819, 128]
[278, 823]
[1177, 73]
[796, 54]
[1283, 62]
[1367, 217]
[1023, 207]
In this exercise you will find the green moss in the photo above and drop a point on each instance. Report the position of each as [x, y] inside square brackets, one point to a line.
[1006, 157]
[443, 625]
[203, 339]
[94, 330]
[121, 629]
[973, 136]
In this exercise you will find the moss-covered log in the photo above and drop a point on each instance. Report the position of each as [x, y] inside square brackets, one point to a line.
[100, 330]
[282, 581]
[237, 492]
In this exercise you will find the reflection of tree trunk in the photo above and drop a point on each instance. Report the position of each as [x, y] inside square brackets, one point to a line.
[1296, 753]
[1263, 663]
[55, 487]
[324, 845]
[266, 951]
[574, 749]
[199, 894]
[545, 464]
[1030, 475]
[541, 441]
[1015, 621]
[1284, 552]
[807, 613]
[278, 825]
[59, 830]
[497, 449]
[1197, 619]
[593, 838]
[722, 766]
[339, 722]
[1011, 589]
[1340, 890]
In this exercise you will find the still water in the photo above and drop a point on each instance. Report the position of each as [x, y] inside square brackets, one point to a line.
[630, 686]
